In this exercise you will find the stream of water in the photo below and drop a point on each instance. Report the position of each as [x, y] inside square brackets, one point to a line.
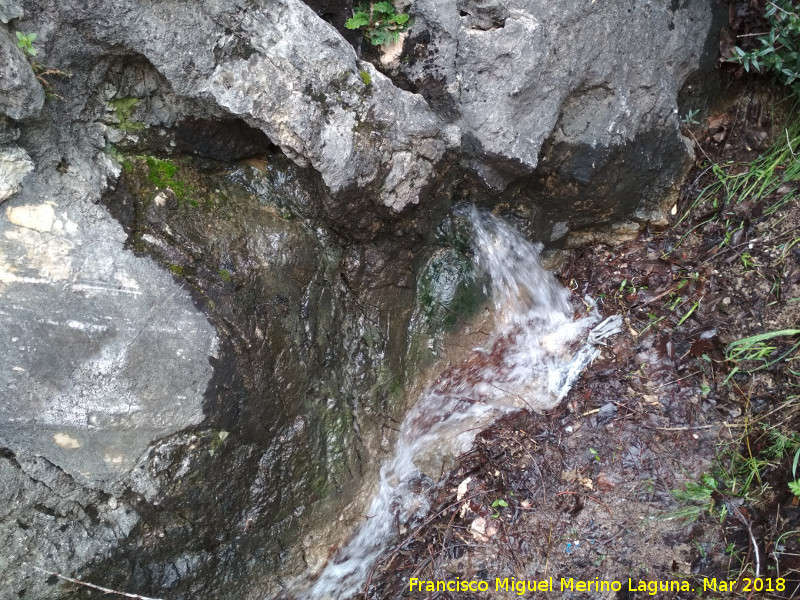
[536, 351]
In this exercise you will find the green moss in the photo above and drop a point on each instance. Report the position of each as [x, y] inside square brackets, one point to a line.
[225, 275]
[177, 269]
[448, 290]
[365, 77]
[123, 109]
[164, 174]
[217, 441]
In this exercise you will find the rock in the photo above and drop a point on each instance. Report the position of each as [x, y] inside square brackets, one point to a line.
[579, 95]
[10, 9]
[103, 353]
[128, 411]
[21, 95]
[15, 164]
[606, 413]
[309, 98]
[607, 481]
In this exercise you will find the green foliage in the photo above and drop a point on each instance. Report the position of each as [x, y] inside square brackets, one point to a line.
[779, 53]
[690, 118]
[756, 352]
[25, 43]
[768, 176]
[794, 487]
[365, 77]
[698, 497]
[381, 22]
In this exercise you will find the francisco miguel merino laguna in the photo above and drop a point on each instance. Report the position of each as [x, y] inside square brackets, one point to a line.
[522, 586]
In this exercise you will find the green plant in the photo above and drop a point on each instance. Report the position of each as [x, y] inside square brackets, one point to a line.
[757, 349]
[365, 77]
[164, 174]
[780, 47]
[25, 43]
[502, 504]
[381, 23]
[698, 496]
[768, 176]
[690, 118]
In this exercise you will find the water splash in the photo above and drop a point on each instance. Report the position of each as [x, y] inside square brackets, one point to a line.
[534, 355]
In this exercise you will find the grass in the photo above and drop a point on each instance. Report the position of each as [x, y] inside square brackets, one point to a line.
[742, 211]
[732, 183]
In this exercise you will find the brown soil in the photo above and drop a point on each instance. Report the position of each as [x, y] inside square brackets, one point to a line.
[586, 491]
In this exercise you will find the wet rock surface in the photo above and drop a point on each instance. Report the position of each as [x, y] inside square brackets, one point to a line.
[598, 489]
[191, 393]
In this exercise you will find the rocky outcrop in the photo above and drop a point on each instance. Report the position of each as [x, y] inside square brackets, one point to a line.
[21, 95]
[183, 389]
[569, 105]
[284, 70]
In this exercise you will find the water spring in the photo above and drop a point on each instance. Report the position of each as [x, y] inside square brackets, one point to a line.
[536, 351]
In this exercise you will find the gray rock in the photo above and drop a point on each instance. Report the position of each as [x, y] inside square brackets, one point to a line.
[102, 353]
[10, 9]
[38, 497]
[106, 359]
[116, 334]
[572, 83]
[292, 75]
[21, 95]
[15, 164]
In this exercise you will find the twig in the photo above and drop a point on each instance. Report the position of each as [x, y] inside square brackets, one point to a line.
[783, 10]
[749, 528]
[690, 427]
[789, 143]
[677, 380]
[90, 585]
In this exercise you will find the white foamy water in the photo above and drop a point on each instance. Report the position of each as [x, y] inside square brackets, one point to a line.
[532, 358]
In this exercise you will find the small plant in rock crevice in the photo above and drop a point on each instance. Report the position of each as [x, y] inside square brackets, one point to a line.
[25, 43]
[381, 22]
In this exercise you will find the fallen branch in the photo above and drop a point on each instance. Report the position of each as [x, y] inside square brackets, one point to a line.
[89, 585]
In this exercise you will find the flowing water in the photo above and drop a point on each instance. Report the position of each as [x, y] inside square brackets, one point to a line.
[535, 353]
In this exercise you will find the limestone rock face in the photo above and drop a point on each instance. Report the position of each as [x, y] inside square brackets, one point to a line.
[10, 9]
[571, 106]
[15, 164]
[284, 70]
[21, 95]
[517, 73]
[182, 451]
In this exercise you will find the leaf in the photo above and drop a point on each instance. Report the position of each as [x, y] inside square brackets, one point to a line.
[499, 502]
[20, 36]
[359, 20]
[400, 19]
[31, 37]
[386, 8]
[794, 463]
[794, 487]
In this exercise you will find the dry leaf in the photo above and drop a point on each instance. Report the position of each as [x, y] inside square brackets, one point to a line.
[462, 489]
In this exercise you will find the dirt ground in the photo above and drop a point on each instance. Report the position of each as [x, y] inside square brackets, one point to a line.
[596, 490]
